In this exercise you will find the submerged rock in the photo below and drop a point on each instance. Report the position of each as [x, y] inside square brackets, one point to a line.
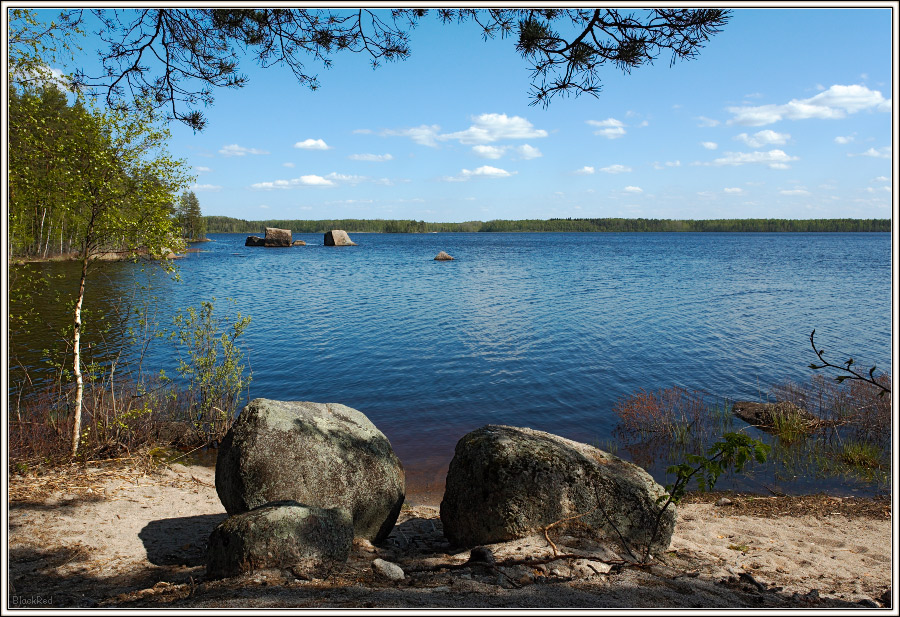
[319, 454]
[506, 482]
[283, 534]
[763, 415]
[298, 243]
[338, 237]
[442, 256]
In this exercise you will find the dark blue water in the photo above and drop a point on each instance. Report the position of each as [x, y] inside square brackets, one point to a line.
[538, 330]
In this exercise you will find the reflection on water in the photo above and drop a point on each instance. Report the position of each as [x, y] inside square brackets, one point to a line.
[538, 330]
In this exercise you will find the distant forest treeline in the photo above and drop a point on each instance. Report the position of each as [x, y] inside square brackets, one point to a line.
[225, 224]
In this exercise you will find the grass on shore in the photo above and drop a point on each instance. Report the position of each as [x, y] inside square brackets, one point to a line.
[125, 422]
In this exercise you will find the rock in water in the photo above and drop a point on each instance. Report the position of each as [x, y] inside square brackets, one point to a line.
[764, 415]
[255, 241]
[298, 243]
[278, 237]
[319, 454]
[442, 256]
[283, 534]
[506, 482]
[338, 237]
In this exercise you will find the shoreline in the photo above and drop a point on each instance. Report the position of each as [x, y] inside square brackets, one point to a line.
[129, 535]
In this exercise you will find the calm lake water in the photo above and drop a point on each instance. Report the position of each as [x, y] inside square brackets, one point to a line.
[538, 330]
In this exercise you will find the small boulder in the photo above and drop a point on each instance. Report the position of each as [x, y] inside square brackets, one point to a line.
[283, 534]
[388, 570]
[319, 454]
[277, 237]
[442, 256]
[255, 241]
[298, 243]
[506, 482]
[338, 237]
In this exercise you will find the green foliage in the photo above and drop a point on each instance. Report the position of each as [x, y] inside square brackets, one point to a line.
[732, 453]
[34, 46]
[189, 217]
[788, 424]
[88, 181]
[225, 224]
[861, 455]
[211, 362]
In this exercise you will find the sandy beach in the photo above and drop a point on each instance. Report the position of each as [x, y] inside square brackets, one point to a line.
[127, 537]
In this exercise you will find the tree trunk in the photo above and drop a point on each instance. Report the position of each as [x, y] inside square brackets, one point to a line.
[76, 351]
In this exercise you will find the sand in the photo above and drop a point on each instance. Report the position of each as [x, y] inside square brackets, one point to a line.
[136, 539]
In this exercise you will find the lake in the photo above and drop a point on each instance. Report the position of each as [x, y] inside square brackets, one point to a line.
[540, 330]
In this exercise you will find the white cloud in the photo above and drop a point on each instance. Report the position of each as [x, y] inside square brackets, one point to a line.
[844, 139]
[488, 128]
[658, 165]
[776, 159]
[585, 171]
[489, 152]
[309, 180]
[882, 179]
[375, 158]
[880, 153]
[616, 169]
[528, 152]
[709, 145]
[425, 135]
[794, 192]
[707, 122]
[363, 131]
[312, 144]
[205, 187]
[287, 165]
[765, 137]
[264, 206]
[609, 128]
[485, 171]
[201, 170]
[734, 191]
[633, 189]
[836, 102]
[488, 171]
[346, 178]
[236, 150]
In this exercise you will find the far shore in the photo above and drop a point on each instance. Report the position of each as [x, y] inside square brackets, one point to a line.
[101, 256]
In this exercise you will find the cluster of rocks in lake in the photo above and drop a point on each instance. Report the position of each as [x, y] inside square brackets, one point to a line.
[282, 238]
[275, 237]
[305, 483]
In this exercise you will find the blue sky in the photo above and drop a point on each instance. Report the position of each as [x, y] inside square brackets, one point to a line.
[787, 113]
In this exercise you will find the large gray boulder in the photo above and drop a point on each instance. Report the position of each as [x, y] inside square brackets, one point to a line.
[278, 237]
[338, 237]
[506, 482]
[319, 454]
[283, 534]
